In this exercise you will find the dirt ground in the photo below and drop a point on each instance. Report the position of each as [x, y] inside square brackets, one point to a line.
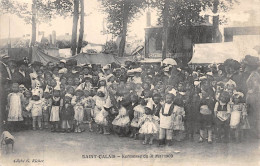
[43, 148]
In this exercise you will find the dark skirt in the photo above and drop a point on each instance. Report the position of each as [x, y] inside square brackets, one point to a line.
[220, 123]
[205, 121]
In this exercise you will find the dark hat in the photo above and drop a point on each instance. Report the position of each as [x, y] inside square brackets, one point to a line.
[71, 62]
[55, 67]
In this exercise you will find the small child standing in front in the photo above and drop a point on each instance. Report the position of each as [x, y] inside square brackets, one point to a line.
[46, 110]
[238, 120]
[89, 106]
[178, 116]
[57, 103]
[206, 115]
[36, 107]
[139, 111]
[27, 115]
[149, 126]
[78, 102]
[67, 114]
[222, 116]
[99, 105]
[14, 106]
[166, 121]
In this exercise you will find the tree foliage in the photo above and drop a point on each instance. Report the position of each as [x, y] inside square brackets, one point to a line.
[46, 9]
[115, 11]
[188, 12]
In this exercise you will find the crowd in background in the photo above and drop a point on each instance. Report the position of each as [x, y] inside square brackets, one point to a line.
[220, 102]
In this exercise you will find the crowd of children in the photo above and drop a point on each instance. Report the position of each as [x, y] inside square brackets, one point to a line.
[157, 101]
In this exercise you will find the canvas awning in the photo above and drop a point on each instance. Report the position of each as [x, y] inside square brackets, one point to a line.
[38, 55]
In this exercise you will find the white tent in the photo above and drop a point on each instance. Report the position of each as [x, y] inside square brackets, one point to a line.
[218, 52]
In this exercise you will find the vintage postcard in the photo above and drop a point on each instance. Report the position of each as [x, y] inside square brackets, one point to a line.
[129, 82]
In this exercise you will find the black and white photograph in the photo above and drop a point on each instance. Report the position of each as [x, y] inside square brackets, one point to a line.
[129, 82]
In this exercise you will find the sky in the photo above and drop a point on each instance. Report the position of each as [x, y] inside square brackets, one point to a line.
[247, 13]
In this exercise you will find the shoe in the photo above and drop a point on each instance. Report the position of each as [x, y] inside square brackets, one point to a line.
[100, 132]
[68, 131]
[91, 130]
[151, 142]
[34, 128]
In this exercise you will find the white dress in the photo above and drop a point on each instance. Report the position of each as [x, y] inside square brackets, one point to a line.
[138, 113]
[237, 110]
[178, 114]
[101, 117]
[122, 119]
[99, 105]
[15, 109]
[149, 124]
[78, 108]
[55, 109]
[35, 107]
[166, 121]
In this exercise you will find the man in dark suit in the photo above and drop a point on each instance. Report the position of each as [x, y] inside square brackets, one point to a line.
[22, 76]
[5, 77]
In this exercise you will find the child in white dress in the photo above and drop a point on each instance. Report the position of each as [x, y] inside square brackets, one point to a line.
[121, 120]
[139, 111]
[149, 126]
[238, 119]
[36, 106]
[99, 106]
[15, 106]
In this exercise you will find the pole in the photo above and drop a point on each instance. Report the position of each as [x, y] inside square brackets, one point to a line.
[9, 35]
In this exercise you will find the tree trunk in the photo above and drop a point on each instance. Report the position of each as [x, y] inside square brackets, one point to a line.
[33, 37]
[126, 9]
[165, 29]
[75, 27]
[215, 37]
[81, 30]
